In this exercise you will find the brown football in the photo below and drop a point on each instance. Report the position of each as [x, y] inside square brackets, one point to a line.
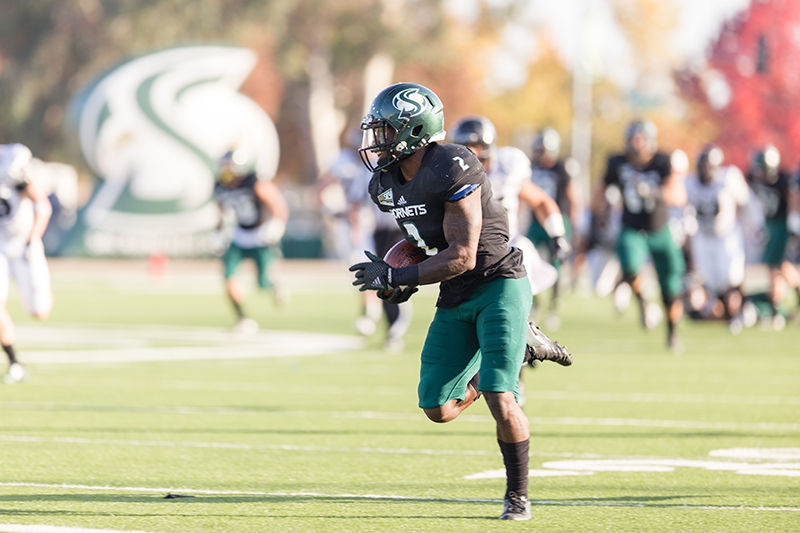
[403, 254]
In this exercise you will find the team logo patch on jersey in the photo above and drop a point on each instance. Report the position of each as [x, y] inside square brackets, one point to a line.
[386, 197]
[410, 102]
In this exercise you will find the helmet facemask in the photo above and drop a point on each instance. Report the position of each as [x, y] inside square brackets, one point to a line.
[377, 143]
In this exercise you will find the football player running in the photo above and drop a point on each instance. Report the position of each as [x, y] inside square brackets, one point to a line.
[773, 187]
[261, 215]
[440, 198]
[24, 214]
[549, 172]
[716, 194]
[644, 177]
[508, 170]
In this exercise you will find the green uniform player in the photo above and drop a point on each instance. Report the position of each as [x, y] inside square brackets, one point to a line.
[439, 195]
[261, 214]
[551, 175]
[644, 178]
[773, 187]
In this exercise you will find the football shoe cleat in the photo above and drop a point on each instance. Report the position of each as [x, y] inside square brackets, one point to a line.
[16, 373]
[516, 507]
[541, 348]
[246, 326]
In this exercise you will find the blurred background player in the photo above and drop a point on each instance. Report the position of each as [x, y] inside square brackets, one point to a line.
[24, 214]
[551, 175]
[508, 170]
[771, 185]
[716, 195]
[647, 185]
[260, 214]
[372, 229]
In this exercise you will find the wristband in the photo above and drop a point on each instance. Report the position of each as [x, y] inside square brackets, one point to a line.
[408, 275]
[554, 225]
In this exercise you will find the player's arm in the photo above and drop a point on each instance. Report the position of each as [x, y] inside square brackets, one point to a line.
[598, 201]
[673, 190]
[41, 211]
[462, 229]
[548, 214]
[793, 220]
[574, 202]
[270, 196]
[540, 202]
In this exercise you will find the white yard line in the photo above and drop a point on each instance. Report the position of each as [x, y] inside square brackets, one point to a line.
[389, 497]
[131, 344]
[42, 528]
[377, 415]
[660, 398]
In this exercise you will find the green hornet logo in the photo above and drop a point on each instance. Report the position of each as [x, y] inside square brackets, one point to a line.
[152, 130]
[410, 103]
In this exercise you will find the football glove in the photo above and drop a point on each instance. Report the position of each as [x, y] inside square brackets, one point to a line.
[372, 275]
[398, 295]
[559, 248]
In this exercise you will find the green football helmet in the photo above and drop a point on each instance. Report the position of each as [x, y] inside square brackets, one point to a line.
[402, 119]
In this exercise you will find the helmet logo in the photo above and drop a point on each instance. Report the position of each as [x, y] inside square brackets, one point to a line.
[410, 103]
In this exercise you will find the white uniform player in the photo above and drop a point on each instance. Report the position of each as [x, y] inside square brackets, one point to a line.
[510, 168]
[509, 172]
[716, 194]
[24, 214]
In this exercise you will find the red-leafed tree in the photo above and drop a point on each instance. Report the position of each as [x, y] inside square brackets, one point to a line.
[751, 85]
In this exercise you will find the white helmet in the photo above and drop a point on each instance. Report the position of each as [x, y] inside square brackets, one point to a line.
[14, 161]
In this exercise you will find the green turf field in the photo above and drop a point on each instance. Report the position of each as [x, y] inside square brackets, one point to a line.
[324, 434]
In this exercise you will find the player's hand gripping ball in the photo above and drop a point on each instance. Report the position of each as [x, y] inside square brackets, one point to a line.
[376, 273]
[402, 254]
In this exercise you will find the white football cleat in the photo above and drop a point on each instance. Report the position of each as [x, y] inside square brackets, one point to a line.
[653, 315]
[365, 326]
[622, 297]
[16, 373]
[246, 326]
[541, 348]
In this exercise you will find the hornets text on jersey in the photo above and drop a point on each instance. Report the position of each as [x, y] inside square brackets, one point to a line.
[448, 173]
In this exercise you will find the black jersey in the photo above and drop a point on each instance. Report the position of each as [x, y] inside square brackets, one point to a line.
[554, 181]
[250, 212]
[774, 196]
[449, 173]
[650, 213]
